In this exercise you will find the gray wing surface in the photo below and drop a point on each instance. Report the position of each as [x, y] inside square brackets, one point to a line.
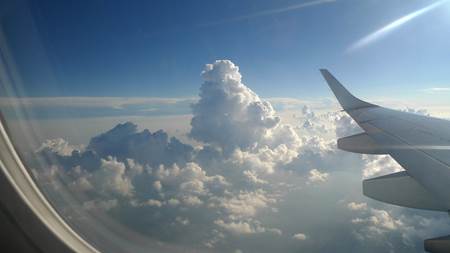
[420, 144]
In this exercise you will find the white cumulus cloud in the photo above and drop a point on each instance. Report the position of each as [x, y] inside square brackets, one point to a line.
[357, 206]
[316, 176]
[230, 115]
[299, 236]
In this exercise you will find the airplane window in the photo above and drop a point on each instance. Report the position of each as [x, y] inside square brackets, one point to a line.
[195, 126]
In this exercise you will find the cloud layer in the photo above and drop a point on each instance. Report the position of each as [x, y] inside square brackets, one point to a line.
[252, 183]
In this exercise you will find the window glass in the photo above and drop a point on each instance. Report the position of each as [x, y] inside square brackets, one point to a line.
[173, 126]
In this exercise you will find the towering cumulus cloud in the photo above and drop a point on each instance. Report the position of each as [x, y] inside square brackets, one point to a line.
[230, 115]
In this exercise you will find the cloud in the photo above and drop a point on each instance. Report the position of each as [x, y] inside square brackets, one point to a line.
[246, 184]
[108, 176]
[378, 165]
[403, 228]
[417, 111]
[378, 222]
[299, 236]
[246, 204]
[124, 141]
[222, 185]
[319, 145]
[189, 185]
[315, 176]
[230, 115]
[357, 206]
[346, 126]
[103, 205]
[252, 177]
[242, 228]
[111, 178]
[89, 107]
[152, 202]
[90, 102]
[58, 146]
[436, 90]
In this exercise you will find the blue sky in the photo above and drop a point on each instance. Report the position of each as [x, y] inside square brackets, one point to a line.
[158, 48]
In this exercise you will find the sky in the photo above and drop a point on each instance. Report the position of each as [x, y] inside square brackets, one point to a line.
[157, 48]
[205, 126]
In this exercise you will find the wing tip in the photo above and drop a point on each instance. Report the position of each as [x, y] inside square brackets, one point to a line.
[345, 98]
[324, 71]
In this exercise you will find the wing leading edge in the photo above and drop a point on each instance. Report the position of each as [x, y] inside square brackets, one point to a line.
[420, 144]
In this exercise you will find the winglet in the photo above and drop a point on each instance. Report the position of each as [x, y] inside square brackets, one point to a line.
[345, 98]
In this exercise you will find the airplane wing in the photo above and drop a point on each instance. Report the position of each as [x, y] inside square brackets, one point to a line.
[420, 144]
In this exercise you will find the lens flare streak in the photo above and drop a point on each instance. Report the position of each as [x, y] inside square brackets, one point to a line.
[269, 12]
[382, 32]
